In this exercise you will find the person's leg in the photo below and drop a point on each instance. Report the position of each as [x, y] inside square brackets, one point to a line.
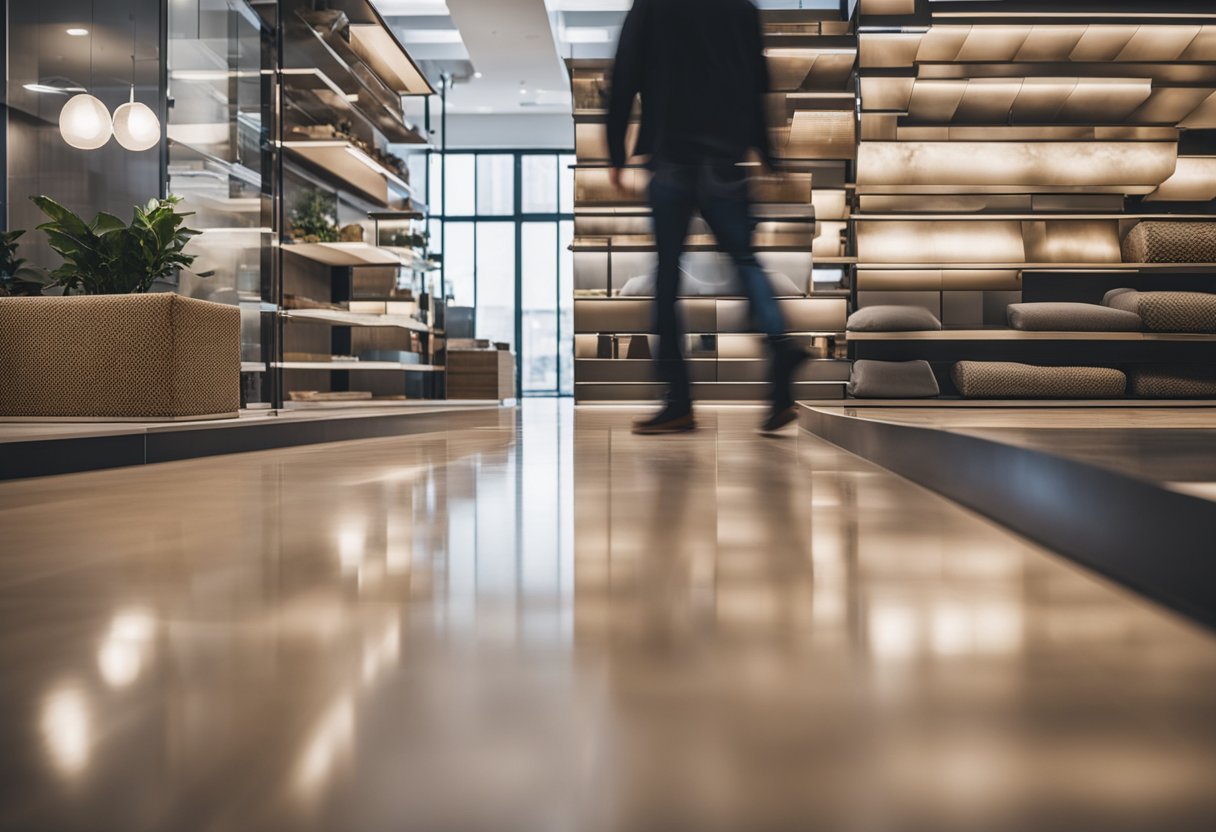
[725, 204]
[672, 201]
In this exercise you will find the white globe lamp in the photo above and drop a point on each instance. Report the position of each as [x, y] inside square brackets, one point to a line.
[135, 125]
[84, 122]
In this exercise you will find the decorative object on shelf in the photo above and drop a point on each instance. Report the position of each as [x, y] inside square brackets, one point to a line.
[1167, 311]
[352, 233]
[16, 278]
[1152, 241]
[136, 356]
[639, 348]
[1007, 380]
[136, 127]
[893, 319]
[1072, 317]
[893, 380]
[312, 221]
[109, 257]
[411, 239]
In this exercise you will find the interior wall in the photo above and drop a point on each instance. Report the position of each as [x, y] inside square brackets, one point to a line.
[39, 50]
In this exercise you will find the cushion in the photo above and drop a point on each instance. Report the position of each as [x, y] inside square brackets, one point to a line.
[1002, 380]
[1170, 242]
[1168, 311]
[1173, 382]
[893, 319]
[893, 380]
[1071, 317]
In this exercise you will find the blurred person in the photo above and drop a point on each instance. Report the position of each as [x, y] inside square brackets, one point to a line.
[700, 69]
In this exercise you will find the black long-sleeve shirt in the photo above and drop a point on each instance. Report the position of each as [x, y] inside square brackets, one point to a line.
[699, 66]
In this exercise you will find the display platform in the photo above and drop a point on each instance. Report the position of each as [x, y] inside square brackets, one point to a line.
[1129, 492]
[36, 449]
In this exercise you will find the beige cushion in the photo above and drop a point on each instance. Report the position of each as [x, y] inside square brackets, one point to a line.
[1071, 317]
[1181, 382]
[1003, 380]
[892, 380]
[1167, 311]
[1170, 242]
[893, 319]
[158, 356]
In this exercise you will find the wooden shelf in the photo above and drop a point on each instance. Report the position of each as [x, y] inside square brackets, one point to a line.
[350, 166]
[1020, 335]
[334, 317]
[359, 366]
[345, 254]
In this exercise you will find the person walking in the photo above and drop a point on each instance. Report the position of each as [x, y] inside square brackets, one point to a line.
[700, 70]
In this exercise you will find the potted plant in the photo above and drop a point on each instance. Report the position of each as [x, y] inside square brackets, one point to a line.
[108, 349]
[16, 278]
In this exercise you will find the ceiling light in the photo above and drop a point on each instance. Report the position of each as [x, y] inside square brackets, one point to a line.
[85, 123]
[78, 32]
[51, 89]
[587, 34]
[477, 74]
[136, 127]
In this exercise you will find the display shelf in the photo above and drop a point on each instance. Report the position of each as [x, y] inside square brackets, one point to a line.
[351, 255]
[334, 317]
[356, 366]
[1001, 334]
[348, 165]
[320, 97]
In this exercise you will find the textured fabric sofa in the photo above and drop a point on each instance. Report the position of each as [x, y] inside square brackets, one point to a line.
[1154, 241]
[148, 357]
[1167, 311]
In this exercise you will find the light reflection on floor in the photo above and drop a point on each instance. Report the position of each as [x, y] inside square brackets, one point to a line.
[556, 625]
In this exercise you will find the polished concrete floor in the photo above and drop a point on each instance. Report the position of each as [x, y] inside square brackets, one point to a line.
[555, 625]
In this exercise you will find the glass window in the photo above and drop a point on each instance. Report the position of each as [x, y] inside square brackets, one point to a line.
[540, 184]
[495, 280]
[565, 172]
[496, 185]
[565, 300]
[461, 186]
[458, 266]
[539, 323]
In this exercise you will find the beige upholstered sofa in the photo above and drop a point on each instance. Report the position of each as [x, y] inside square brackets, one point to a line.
[119, 357]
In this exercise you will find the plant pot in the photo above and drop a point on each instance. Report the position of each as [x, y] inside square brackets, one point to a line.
[119, 358]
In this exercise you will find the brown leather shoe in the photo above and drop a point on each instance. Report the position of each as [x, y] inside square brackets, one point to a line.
[778, 418]
[669, 420]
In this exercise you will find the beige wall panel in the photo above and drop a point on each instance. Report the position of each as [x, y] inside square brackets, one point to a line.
[879, 51]
[1137, 166]
[1194, 180]
[884, 93]
[1203, 47]
[1039, 99]
[1104, 100]
[1204, 117]
[879, 127]
[1072, 241]
[988, 100]
[1102, 42]
[887, 7]
[830, 205]
[1169, 105]
[935, 101]
[1051, 44]
[993, 43]
[935, 241]
[942, 43]
[1158, 43]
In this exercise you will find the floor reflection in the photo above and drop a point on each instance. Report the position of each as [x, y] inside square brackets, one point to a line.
[553, 624]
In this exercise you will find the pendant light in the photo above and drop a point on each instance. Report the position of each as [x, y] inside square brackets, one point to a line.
[135, 125]
[84, 122]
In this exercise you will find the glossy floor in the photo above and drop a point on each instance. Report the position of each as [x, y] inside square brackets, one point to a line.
[555, 625]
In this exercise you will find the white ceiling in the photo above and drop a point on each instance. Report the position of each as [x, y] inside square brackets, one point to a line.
[505, 55]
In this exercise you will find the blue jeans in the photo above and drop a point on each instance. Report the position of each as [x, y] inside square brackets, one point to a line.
[720, 192]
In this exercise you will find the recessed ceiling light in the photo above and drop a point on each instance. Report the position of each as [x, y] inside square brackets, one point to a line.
[77, 32]
[51, 89]
[431, 36]
[523, 91]
[477, 74]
